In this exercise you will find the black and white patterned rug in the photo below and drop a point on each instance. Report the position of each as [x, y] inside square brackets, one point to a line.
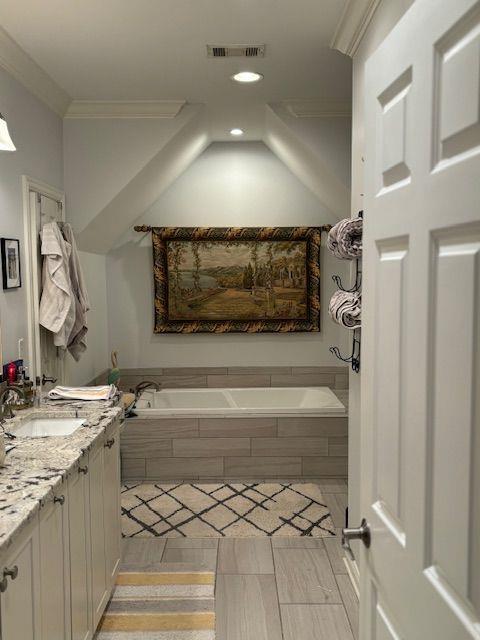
[224, 510]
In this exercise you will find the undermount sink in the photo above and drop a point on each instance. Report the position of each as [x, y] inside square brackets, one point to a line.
[42, 427]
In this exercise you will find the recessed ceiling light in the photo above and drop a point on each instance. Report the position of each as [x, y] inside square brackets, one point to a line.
[247, 76]
[236, 132]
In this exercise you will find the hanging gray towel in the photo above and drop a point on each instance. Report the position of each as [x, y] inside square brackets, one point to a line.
[76, 341]
[345, 308]
[345, 239]
[57, 306]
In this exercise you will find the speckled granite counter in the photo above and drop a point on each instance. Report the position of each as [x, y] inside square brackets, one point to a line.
[36, 467]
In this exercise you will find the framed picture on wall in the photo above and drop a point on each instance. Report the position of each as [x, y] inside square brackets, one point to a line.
[246, 280]
[11, 273]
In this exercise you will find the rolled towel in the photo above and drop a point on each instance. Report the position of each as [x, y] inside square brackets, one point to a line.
[345, 239]
[345, 308]
[105, 392]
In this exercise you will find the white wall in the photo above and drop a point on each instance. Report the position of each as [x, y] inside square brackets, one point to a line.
[329, 138]
[102, 155]
[230, 184]
[37, 134]
[96, 358]
[384, 19]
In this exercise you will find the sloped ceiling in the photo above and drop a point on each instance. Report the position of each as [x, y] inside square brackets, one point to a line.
[310, 168]
[144, 188]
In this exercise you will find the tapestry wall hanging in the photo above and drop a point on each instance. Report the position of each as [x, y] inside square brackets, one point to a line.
[220, 280]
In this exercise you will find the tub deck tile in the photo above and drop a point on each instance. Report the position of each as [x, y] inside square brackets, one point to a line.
[305, 427]
[238, 427]
[238, 381]
[328, 466]
[160, 427]
[263, 467]
[158, 468]
[206, 447]
[289, 447]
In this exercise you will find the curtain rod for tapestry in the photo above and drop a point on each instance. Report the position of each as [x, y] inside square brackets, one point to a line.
[146, 228]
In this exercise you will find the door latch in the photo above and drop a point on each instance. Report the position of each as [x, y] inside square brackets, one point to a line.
[356, 533]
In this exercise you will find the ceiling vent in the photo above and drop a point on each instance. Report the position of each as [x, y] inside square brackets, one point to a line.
[236, 50]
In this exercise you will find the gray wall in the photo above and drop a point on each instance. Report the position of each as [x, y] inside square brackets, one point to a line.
[230, 184]
[37, 134]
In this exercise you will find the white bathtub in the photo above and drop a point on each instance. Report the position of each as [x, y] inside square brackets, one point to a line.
[268, 401]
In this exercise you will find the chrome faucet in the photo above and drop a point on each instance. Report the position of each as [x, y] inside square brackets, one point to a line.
[5, 403]
[142, 386]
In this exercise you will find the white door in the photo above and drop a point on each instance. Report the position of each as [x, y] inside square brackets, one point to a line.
[45, 204]
[421, 336]
[51, 357]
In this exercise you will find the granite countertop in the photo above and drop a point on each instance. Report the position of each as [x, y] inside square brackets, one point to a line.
[36, 467]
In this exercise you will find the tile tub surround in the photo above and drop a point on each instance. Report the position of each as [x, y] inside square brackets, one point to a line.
[36, 467]
[234, 448]
[234, 377]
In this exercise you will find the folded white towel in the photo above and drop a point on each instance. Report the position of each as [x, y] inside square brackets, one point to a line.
[105, 392]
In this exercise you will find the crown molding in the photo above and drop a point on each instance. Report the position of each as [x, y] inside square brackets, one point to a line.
[322, 108]
[24, 69]
[355, 19]
[124, 108]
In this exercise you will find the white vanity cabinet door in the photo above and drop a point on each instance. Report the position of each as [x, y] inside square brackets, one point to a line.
[78, 517]
[111, 496]
[55, 568]
[99, 590]
[19, 604]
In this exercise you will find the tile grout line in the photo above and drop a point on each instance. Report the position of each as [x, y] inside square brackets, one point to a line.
[338, 586]
[343, 604]
[276, 589]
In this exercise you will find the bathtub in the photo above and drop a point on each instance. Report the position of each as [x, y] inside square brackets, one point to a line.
[268, 401]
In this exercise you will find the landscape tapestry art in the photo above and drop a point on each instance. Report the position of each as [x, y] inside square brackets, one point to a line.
[244, 280]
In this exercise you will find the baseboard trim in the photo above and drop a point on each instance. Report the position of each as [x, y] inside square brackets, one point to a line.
[353, 573]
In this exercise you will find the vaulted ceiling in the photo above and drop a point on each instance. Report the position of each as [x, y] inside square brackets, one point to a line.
[156, 50]
[148, 59]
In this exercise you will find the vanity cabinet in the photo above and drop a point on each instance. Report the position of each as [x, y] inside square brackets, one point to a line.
[63, 565]
[100, 592]
[111, 499]
[19, 601]
[80, 561]
[55, 567]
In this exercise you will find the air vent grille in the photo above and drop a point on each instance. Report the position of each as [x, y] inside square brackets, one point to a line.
[236, 51]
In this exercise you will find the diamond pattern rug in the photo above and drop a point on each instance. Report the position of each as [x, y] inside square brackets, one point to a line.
[224, 510]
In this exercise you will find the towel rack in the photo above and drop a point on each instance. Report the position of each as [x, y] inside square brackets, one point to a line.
[354, 358]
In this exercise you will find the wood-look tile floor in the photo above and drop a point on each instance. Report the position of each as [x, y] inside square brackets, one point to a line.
[277, 588]
[286, 588]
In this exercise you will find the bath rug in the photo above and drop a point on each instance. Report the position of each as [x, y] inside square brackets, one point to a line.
[161, 604]
[235, 510]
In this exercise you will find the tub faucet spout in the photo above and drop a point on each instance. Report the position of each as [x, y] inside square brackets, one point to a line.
[145, 384]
